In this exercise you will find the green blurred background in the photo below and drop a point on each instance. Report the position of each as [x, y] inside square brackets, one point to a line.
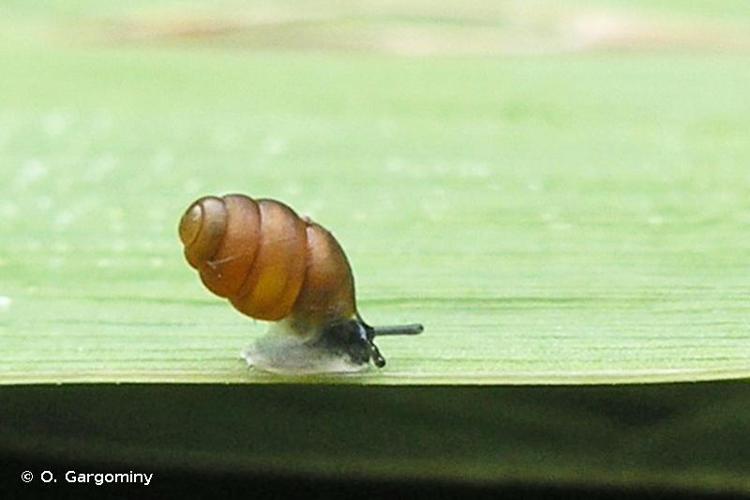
[557, 191]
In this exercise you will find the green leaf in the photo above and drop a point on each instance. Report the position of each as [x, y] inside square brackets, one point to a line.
[549, 220]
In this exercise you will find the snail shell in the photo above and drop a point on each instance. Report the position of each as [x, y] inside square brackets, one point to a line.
[273, 265]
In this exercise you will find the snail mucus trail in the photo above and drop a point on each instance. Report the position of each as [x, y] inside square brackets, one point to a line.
[273, 265]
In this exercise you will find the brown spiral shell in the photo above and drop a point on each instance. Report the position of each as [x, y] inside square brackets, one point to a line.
[270, 263]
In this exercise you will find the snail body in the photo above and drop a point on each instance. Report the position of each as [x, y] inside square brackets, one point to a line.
[275, 266]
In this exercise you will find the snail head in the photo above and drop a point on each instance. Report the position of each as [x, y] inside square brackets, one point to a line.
[355, 338]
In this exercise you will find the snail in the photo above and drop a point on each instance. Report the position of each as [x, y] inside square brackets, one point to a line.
[275, 266]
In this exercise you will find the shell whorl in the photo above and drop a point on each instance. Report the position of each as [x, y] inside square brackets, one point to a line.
[270, 263]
